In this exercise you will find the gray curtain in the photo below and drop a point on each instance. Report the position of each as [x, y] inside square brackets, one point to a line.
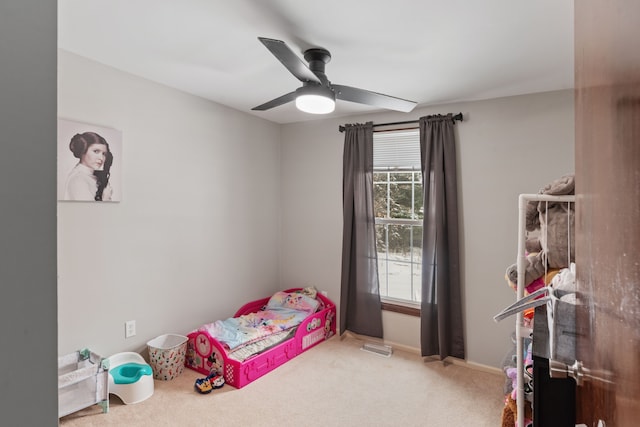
[441, 325]
[360, 307]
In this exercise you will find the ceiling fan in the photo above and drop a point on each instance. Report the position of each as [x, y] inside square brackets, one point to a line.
[317, 94]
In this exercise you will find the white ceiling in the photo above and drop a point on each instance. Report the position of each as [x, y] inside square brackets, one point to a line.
[431, 52]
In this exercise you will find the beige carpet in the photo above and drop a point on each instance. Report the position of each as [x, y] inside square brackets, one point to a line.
[333, 384]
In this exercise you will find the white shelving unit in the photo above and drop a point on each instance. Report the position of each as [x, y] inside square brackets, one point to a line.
[523, 332]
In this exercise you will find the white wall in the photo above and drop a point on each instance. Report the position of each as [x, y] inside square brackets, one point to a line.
[506, 146]
[220, 206]
[196, 233]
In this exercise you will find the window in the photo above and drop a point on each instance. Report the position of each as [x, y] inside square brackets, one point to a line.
[397, 187]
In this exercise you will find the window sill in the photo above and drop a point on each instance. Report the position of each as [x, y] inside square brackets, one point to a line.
[408, 309]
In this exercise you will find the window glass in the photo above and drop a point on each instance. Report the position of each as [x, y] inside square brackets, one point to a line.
[399, 212]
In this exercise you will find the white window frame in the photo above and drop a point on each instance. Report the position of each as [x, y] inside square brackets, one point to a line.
[407, 163]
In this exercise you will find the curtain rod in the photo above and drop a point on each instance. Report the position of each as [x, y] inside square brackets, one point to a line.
[456, 117]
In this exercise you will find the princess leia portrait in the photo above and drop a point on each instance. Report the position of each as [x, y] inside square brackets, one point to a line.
[86, 162]
[89, 178]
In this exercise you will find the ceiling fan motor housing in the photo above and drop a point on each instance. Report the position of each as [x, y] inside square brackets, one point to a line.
[317, 58]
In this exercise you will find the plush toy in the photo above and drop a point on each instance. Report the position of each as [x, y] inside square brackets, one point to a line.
[510, 410]
[553, 223]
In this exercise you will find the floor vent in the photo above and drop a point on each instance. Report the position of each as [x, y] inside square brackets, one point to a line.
[379, 349]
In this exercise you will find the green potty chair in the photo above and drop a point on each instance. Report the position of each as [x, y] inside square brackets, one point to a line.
[130, 377]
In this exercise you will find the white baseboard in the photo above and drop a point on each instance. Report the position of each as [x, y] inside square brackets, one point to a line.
[413, 350]
[475, 366]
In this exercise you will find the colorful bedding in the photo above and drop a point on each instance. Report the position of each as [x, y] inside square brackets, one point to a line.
[254, 348]
[283, 311]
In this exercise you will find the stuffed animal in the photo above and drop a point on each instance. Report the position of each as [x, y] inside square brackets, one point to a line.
[538, 283]
[510, 410]
[554, 224]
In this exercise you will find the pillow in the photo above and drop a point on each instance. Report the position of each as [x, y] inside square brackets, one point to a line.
[294, 301]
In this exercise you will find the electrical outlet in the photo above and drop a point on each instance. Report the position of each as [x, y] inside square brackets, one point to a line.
[129, 328]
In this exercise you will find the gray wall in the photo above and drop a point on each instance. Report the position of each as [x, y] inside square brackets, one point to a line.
[196, 233]
[28, 360]
[506, 146]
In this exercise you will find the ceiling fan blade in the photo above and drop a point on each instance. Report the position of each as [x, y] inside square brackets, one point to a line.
[290, 60]
[361, 96]
[276, 102]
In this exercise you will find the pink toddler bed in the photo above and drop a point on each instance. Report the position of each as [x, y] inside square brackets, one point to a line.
[262, 335]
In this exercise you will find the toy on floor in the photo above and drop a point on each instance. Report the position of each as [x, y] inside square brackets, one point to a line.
[206, 385]
[510, 410]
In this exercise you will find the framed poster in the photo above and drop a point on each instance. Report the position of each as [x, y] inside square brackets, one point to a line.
[89, 162]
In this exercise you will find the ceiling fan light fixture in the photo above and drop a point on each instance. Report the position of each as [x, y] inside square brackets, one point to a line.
[315, 100]
[317, 94]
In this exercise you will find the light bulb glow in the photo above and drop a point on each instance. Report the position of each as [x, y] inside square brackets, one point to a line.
[315, 99]
[315, 104]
